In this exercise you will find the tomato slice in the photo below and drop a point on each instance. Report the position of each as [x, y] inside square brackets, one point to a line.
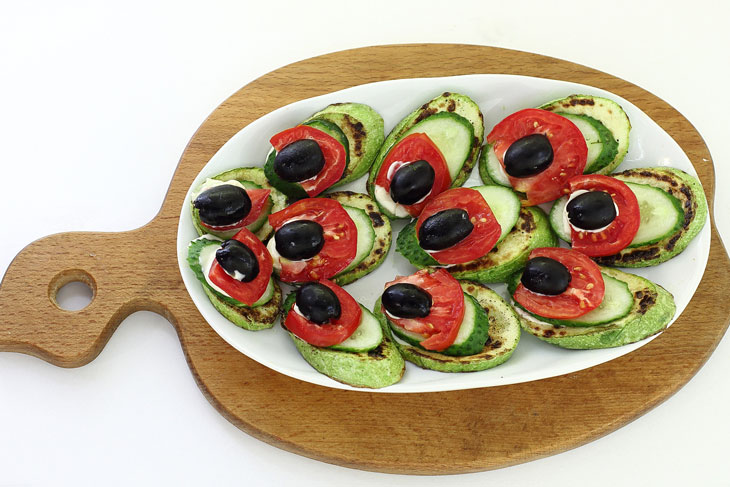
[340, 239]
[585, 291]
[482, 238]
[415, 147]
[442, 324]
[570, 152]
[332, 333]
[621, 231]
[245, 292]
[258, 201]
[335, 157]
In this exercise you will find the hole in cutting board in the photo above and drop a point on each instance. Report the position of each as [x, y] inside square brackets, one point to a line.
[72, 290]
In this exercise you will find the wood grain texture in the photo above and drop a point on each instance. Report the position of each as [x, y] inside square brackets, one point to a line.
[494, 427]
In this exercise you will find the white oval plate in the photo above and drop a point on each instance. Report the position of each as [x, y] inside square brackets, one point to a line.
[497, 96]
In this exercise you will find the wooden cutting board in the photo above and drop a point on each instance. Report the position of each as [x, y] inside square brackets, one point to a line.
[434, 433]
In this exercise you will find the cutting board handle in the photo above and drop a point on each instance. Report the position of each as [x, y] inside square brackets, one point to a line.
[126, 272]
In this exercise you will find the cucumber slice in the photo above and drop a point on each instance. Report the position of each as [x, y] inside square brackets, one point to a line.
[367, 336]
[607, 112]
[473, 331]
[365, 236]
[602, 148]
[452, 134]
[661, 215]
[505, 205]
[489, 167]
[617, 302]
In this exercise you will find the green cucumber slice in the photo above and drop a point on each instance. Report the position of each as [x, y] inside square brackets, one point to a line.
[473, 331]
[661, 215]
[602, 147]
[490, 167]
[617, 302]
[608, 113]
[365, 236]
[367, 336]
[452, 134]
[504, 203]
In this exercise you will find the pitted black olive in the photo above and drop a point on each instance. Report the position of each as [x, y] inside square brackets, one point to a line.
[546, 276]
[233, 256]
[298, 161]
[412, 182]
[405, 300]
[528, 156]
[223, 205]
[299, 240]
[591, 210]
[318, 303]
[444, 229]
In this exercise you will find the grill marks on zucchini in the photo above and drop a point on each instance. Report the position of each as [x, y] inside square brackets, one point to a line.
[688, 191]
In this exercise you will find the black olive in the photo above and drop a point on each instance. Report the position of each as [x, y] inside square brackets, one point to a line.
[298, 161]
[528, 156]
[234, 256]
[223, 205]
[318, 303]
[546, 276]
[299, 240]
[444, 229]
[407, 301]
[591, 210]
[412, 182]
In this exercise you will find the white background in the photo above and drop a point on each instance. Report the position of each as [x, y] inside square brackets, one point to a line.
[97, 103]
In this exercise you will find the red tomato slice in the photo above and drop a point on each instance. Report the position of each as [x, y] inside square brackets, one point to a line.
[415, 147]
[340, 239]
[621, 231]
[332, 333]
[482, 238]
[245, 292]
[258, 201]
[585, 291]
[442, 324]
[570, 152]
[335, 157]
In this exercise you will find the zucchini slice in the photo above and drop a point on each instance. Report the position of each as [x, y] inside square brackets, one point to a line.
[260, 316]
[502, 339]
[445, 118]
[379, 367]
[249, 177]
[687, 190]
[652, 309]
[609, 114]
[531, 231]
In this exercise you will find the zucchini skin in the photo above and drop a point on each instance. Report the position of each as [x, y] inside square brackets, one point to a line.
[688, 190]
[504, 335]
[380, 367]
[532, 230]
[653, 309]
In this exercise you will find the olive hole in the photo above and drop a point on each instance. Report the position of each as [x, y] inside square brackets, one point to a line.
[72, 290]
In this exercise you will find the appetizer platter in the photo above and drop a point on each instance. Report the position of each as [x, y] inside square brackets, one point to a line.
[455, 120]
[494, 426]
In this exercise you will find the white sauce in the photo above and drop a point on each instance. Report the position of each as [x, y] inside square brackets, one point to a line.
[566, 220]
[383, 197]
[206, 259]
